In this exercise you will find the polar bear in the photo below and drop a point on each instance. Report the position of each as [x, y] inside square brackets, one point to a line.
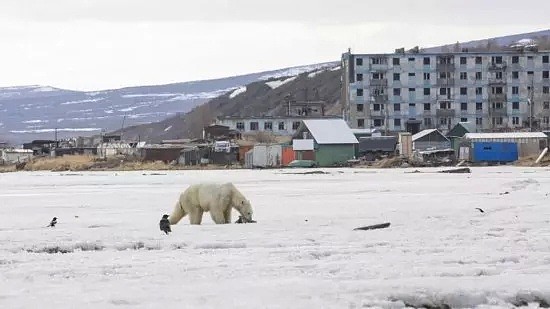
[218, 199]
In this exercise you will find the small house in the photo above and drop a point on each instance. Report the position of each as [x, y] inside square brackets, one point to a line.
[431, 139]
[331, 140]
[458, 131]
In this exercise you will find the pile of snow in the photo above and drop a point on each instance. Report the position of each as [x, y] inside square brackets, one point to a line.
[237, 91]
[438, 252]
[168, 129]
[297, 70]
[277, 83]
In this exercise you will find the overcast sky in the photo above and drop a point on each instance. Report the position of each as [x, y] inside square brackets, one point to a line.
[99, 44]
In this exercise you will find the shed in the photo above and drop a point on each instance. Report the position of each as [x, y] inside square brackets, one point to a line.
[529, 143]
[458, 131]
[11, 156]
[431, 139]
[333, 141]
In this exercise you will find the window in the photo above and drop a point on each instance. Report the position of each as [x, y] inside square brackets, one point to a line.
[426, 60]
[478, 60]
[377, 60]
[479, 76]
[378, 107]
[515, 90]
[396, 76]
[515, 105]
[254, 126]
[462, 60]
[497, 120]
[529, 57]
[546, 105]
[427, 122]
[496, 90]
[427, 106]
[545, 120]
[426, 91]
[397, 122]
[397, 107]
[545, 89]
[463, 106]
[361, 123]
[411, 59]
[479, 106]
[395, 61]
[445, 105]
[397, 91]
[412, 89]
[268, 126]
[544, 59]
[412, 105]
[426, 76]
[240, 126]
[412, 75]
[360, 92]
[545, 74]
[281, 125]
[498, 75]
[359, 107]
[377, 75]
[515, 75]
[515, 59]
[463, 119]
[463, 75]
[378, 122]
[443, 121]
[479, 91]
[359, 77]
[463, 91]
[359, 61]
[295, 125]
[479, 121]
[497, 105]
[377, 91]
[442, 91]
[496, 59]
[530, 72]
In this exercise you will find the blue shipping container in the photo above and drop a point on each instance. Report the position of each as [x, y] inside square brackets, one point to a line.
[494, 152]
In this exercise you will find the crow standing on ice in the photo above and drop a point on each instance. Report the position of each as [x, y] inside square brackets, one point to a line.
[165, 224]
[53, 222]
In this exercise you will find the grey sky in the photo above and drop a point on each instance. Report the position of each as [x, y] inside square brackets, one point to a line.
[95, 44]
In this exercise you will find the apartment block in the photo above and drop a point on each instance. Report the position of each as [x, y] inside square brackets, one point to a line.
[498, 91]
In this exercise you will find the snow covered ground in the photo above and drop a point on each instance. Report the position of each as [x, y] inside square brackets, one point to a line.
[107, 250]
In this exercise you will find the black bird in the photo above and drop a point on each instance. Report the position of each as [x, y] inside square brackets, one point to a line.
[53, 222]
[481, 210]
[165, 224]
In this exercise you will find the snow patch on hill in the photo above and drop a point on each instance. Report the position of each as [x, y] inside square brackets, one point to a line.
[278, 83]
[237, 92]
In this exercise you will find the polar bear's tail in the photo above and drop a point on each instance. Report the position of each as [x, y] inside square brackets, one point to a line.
[177, 213]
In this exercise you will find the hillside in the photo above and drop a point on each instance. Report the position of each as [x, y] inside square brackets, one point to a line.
[34, 112]
[257, 98]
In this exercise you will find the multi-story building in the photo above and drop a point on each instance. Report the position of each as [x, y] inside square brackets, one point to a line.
[497, 91]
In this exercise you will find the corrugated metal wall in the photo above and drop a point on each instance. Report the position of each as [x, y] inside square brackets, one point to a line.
[494, 152]
[335, 154]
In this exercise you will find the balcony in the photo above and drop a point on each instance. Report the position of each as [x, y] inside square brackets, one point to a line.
[379, 113]
[498, 111]
[497, 66]
[380, 98]
[500, 97]
[445, 82]
[445, 112]
[496, 82]
[445, 67]
[379, 82]
[380, 67]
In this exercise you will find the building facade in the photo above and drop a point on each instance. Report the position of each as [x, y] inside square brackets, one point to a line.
[496, 91]
[283, 125]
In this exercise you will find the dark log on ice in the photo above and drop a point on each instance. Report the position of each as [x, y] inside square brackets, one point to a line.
[372, 227]
[244, 220]
[480, 210]
[464, 170]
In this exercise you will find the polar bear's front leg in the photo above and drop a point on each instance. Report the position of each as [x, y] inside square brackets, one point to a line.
[217, 216]
[227, 215]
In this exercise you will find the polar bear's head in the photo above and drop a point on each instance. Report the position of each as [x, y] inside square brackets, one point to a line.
[245, 208]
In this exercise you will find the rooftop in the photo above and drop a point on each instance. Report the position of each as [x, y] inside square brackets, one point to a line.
[330, 131]
[505, 135]
[276, 117]
[468, 53]
[423, 133]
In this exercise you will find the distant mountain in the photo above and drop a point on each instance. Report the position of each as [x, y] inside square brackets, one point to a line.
[34, 112]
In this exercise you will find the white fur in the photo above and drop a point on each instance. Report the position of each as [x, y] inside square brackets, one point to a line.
[218, 199]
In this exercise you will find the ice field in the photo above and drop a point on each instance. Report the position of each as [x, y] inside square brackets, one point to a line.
[107, 250]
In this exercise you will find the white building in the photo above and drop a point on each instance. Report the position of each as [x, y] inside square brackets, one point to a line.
[278, 125]
[11, 156]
